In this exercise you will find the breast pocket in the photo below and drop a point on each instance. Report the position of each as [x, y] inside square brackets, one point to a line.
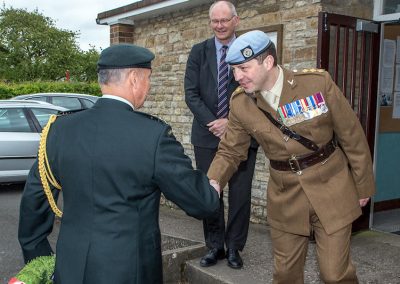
[260, 131]
[320, 128]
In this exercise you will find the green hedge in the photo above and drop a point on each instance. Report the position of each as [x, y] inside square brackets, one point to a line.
[10, 90]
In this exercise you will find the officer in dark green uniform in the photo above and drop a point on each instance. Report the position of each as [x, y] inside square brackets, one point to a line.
[112, 163]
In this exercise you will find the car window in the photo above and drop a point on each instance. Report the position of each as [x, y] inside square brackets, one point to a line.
[42, 99]
[43, 114]
[87, 103]
[69, 103]
[13, 120]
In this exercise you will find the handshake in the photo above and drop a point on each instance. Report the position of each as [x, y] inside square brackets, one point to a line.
[216, 186]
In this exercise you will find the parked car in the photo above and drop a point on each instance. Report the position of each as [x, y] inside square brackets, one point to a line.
[21, 123]
[68, 100]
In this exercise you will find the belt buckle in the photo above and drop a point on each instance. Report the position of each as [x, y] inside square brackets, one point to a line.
[294, 165]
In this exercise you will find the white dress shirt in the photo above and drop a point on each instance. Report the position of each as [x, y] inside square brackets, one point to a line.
[273, 96]
[118, 99]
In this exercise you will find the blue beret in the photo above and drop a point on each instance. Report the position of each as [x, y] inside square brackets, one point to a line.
[247, 46]
[125, 56]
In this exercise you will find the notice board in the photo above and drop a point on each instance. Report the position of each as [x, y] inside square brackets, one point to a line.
[388, 122]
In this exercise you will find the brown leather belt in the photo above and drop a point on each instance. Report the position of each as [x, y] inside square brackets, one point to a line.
[298, 163]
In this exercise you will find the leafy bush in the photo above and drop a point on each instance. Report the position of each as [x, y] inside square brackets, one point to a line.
[38, 271]
[8, 91]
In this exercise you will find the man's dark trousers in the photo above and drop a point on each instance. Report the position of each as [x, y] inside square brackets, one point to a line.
[239, 200]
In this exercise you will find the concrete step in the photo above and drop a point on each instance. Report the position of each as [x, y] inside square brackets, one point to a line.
[217, 274]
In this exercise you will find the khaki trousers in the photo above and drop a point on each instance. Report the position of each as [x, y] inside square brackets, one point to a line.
[333, 254]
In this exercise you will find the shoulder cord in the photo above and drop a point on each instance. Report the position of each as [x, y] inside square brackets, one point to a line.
[44, 168]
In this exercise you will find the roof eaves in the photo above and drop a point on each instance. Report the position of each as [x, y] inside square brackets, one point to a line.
[145, 9]
[128, 8]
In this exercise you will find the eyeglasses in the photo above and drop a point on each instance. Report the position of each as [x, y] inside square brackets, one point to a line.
[222, 21]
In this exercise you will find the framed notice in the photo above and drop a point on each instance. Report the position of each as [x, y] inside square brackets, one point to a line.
[274, 32]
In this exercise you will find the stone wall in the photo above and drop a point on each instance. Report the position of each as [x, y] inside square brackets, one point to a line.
[171, 37]
[355, 8]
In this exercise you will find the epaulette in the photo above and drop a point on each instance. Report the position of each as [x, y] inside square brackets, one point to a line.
[308, 71]
[70, 111]
[238, 90]
[152, 117]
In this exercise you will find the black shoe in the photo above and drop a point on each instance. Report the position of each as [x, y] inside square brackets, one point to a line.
[212, 257]
[234, 259]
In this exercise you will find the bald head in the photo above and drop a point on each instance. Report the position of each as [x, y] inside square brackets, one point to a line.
[223, 4]
[223, 21]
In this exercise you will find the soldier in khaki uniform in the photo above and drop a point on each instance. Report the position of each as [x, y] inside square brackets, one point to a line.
[320, 164]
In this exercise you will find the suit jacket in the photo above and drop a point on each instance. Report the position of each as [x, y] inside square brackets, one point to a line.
[112, 163]
[333, 187]
[201, 91]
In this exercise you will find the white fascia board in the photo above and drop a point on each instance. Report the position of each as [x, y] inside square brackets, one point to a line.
[149, 10]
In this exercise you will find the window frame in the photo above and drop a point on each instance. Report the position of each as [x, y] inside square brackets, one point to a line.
[378, 16]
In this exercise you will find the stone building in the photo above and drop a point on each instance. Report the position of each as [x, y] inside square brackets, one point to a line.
[171, 28]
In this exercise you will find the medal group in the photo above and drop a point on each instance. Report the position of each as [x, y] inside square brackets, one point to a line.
[303, 109]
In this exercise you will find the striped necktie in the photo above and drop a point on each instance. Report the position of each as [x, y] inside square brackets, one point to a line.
[223, 85]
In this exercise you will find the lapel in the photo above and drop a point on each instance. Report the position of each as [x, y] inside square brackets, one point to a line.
[288, 94]
[230, 75]
[212, 58]
[262, 104]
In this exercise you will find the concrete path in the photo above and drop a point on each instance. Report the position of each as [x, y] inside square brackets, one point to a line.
[376, 255]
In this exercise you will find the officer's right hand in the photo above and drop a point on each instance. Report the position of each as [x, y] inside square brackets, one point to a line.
[216, 186]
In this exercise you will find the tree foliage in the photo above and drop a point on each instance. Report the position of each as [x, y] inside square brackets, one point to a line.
[33, 48]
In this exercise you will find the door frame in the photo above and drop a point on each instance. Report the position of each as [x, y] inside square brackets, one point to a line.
[325, 21]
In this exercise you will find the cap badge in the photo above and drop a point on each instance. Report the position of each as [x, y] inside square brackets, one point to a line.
[247, 52]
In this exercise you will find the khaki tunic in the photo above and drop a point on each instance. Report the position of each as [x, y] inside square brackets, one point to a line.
[333, 187]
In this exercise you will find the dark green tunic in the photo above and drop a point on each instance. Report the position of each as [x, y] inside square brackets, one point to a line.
[112, 163]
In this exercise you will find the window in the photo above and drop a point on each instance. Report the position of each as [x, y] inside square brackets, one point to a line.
[42, 99]
[13, 120]
[87, 103]
[69, 103]
[43, 115]
[386, 10]
[390, 7]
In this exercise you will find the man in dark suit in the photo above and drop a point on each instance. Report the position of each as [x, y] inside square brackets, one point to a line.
[112, 163]
[208, 86]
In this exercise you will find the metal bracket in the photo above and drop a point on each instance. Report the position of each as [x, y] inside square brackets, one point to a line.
[326, 28]
[367, 26]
